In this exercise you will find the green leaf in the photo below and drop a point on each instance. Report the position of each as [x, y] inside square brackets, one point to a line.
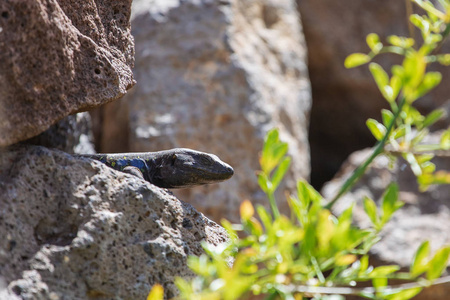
[373, 41]
[390, 202]
[280, 172]
[396, 85]
[364, 264]
[382, 80]
[356, 59]
[264, 182]
[395, 40]
[371, 210]
[400, 41]
[376, 128]
[383, 271]
[387, 117]
[404, 294]
[420, 260]
[420, 22]
[324, 230]
[273, 151]
[438, 263]
[424, 158]
[398, 71]
[434, 38]
[444, 59]
[265, 217]
[379, 282]
[272, 158]
[399, 132]
[416, 20]
[414, 70]
[411, 115]
[307, 194]
[303, 194]
[428, 167]
[427, 179]
[433, 117]
[445, 140]
[430, 81]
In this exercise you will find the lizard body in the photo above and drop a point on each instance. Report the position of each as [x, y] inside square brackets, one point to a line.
[175, 168]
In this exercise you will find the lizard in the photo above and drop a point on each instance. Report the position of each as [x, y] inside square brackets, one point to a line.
[175, 168]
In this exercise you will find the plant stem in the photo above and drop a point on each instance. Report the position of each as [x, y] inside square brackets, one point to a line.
[360, 170]
[273, 205]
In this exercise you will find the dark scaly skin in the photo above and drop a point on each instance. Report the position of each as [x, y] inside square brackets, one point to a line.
[175, 168]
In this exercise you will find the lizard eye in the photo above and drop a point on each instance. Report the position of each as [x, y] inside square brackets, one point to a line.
[174, 159]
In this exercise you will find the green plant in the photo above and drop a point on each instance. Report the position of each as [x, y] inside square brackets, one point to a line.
[313, 253]
[404, 127]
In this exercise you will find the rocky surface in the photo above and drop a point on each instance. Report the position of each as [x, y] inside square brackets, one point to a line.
[59, 57]
[425, 216]
[73, 134]
[344, 99]
[215, 76]
[76, 229]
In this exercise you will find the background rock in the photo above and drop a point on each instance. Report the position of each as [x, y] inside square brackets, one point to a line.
[59, 57]
[76, 229]
[344, 99]
[215, 76]
[425, 216]
[73, 134]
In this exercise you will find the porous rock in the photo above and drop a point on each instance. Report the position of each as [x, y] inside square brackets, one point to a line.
[216, 76]
[345, 98]
[59, 57]
[425, 216]
[76, 229]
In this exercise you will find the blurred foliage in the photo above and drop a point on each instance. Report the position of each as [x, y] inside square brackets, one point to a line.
[403, 127]
[308, 254]
[312, 253]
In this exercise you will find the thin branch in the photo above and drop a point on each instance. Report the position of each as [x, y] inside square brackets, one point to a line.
[365, 290]
[361, 169]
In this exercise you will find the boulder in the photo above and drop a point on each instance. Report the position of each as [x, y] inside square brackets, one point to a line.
[216, 76]
[59, 57]
[73, 228]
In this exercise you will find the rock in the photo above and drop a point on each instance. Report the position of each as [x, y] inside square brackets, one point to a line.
[72, 134]
[345, 98]
[60, 57]
[216, 76]
[76, 229]
[425, 216]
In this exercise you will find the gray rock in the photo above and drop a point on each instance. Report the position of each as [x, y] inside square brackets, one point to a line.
[60, 57]
[216, 76]
[73, 134]
[76, 229]
[425, 216]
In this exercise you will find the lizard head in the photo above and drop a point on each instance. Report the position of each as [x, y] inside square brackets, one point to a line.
[183, 167]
